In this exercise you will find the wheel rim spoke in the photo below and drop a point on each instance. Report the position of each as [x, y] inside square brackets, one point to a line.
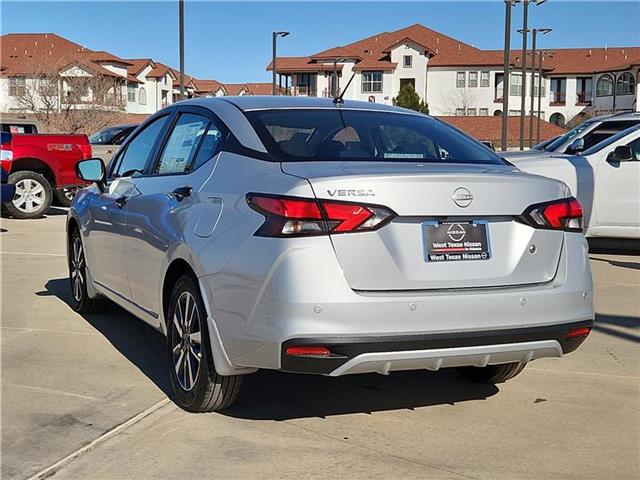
[186, 339]
[176, 323]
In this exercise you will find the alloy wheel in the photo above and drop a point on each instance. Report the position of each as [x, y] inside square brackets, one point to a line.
[186, 341]
[77, 269]
[30, 195]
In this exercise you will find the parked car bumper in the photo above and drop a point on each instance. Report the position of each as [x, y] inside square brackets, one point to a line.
[303, 296]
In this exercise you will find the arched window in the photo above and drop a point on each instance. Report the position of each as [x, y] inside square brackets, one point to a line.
[557, 119]
[604, 87]
[625, 84]
[497, 113]
[142, 96]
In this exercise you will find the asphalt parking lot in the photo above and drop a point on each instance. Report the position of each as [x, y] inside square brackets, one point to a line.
[95, 388]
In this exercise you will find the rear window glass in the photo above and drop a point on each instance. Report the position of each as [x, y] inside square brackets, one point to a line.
[350, 135]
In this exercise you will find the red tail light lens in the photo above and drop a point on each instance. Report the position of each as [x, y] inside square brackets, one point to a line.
[564, 214]
[85, 149]
[308, 352]
[293, 216]
[578, 332]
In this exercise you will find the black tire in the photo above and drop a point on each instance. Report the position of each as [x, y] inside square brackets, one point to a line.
[80, 300]
[204, 391]
[64, 196]
[492, 373]
[23, 205]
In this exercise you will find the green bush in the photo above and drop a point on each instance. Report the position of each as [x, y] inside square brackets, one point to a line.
[408, 98]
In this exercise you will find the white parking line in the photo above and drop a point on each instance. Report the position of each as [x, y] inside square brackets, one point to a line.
[50, 390]
[36, 253]
[52, 469]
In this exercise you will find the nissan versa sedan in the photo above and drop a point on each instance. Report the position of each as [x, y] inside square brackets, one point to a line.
[326, 237]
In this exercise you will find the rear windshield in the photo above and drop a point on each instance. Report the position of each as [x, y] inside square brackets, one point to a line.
[337, 134]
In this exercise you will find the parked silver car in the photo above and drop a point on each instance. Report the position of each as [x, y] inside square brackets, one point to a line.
[314, 236]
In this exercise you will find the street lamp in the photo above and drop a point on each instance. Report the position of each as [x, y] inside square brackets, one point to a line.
[274, 36]
[524, 32]
[181, 22]
[506, 76]
[535, 33]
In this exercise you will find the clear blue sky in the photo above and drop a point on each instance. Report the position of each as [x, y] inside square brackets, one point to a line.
[231, 41]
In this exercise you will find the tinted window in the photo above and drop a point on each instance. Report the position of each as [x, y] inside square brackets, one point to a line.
[567, 136]
[19, 128]
[105, 136]
[137, 152]
[192, 141]
[351, 135]
[635, 148]
[610, 140]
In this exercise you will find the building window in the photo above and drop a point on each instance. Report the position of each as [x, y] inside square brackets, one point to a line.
[459, 112]
[515, 87]
[498, 89]
[604, 87]
[534, 86]
[407, 61]
[514, 113]
[484, 112]
[131, 92]
[625, 84]
[460, 79]
[472, 112]
[142, 96]
[371, 82]
[473, 79]
[17, 86]
[558, 91]
[584, 90]
[484, 79]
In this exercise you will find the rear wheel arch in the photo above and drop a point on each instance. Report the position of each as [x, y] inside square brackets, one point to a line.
[34, 165]
[176, 269]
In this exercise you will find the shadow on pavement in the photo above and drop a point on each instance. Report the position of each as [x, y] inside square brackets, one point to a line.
[270, 395]
[617, 263]
[56, 211]
[614, 246]
[140, 343]
[603, 324]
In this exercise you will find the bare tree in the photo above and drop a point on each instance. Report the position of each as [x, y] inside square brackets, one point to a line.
[81, 101]
[460, 98]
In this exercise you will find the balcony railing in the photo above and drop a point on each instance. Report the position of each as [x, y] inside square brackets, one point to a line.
[328, 93]
[302, 91]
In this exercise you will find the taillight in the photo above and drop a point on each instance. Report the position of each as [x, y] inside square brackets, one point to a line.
[294, 216]
[85, 149]
[564, 214]
[6, 156]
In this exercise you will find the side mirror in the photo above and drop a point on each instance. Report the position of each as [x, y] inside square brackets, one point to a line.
[576, 146]
[91, 170]
[622, 153]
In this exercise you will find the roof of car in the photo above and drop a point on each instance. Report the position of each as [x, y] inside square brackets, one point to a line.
[267, 102]
[616, 117]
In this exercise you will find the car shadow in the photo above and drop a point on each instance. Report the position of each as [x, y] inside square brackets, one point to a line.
[271, 395]
[618, 263]
[604, 324]
[140, 343]
[52, 211]
[614, 246]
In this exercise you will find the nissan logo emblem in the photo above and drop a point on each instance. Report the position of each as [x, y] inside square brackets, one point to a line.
[462, 197]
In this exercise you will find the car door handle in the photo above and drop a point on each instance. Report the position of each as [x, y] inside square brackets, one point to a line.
[121, 202]
[182, 192]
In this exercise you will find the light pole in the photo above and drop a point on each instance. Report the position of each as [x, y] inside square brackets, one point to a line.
[274, 36]
[181, 20]
[506, 75]
[535, 32]
[525, 30]
[540, 58]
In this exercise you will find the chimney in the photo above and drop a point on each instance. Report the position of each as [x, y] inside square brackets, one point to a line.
[437, 39]
[459, 47]
[46, 35]
[589, 54]
[36, 44]
[375, 39]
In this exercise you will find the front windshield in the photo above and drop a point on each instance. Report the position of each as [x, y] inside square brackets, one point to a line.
[605, 143]
[553, 146]
[336, 134]
[105, 136]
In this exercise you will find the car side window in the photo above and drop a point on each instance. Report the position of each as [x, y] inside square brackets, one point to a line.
[635, 148]
[192, 141]
[136, 154]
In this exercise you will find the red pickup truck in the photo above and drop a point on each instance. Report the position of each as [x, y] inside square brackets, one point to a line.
[42, 166]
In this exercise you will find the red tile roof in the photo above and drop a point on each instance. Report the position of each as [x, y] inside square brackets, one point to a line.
[206, 86]
[25, 53]
[262, 88]
[235, 88]
[490, 128]
[444, 51]
[137, 65]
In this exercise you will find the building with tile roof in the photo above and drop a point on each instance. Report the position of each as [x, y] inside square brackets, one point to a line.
[456, 78]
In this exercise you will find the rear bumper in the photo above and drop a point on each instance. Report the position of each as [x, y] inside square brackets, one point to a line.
[432, 351]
